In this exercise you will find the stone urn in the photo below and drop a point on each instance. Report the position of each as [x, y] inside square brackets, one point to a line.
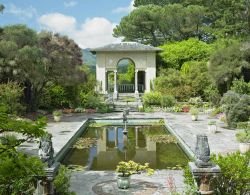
[194, 117]
[123, 182]
[57, 118]
[244, 147]
[202, 152]
[212, 127]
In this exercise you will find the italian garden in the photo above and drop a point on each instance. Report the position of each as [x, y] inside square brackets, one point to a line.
[161, 107]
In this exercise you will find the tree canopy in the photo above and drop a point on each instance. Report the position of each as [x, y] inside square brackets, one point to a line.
[156, 22]
[177, 53]
[33, 59]
[228, 64]
[138, 3]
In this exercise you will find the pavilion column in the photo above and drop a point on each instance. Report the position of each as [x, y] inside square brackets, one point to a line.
[106, 82]
[115, 96]
[136, 84]
[116, 137]
[136, 137]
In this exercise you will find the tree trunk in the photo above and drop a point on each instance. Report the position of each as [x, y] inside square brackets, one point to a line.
[31, 97]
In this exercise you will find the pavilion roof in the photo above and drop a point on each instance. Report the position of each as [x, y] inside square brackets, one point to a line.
[126, 46]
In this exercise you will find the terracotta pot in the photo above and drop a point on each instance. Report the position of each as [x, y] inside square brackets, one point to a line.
[185, 109]
[123, 182]
[244, 147]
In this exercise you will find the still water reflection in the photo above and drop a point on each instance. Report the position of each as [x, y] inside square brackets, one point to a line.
[112, 146]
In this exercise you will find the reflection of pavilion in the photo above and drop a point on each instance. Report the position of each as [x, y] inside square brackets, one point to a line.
[112, 147]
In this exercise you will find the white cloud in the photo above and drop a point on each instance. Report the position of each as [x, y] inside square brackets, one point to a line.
[70, 3]
[23, 13]
[125, 9]
[93, 32]
[58, 22]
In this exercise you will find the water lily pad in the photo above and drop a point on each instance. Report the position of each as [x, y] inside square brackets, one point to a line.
[83, 142]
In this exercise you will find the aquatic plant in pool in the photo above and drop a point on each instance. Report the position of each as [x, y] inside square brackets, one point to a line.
[103, 147]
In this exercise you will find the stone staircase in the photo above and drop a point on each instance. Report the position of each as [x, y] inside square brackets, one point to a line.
[126, 100]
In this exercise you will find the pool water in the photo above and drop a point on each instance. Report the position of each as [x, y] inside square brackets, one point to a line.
[102, 148]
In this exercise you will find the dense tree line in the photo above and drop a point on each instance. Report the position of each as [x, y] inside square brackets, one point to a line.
[156, 22]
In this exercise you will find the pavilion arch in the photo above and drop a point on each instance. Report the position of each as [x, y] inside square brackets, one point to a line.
[107, 58]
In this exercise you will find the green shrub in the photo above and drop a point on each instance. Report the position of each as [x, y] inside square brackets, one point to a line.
[104, 108]
[90, 101]
[196, 101]
[152, 98]
[54, 96]
[243, 135]
[10, 98]
[141, 109]
[234, 177]
[189, 181]
[177, 108]
[194, 111]
[235, 173]
[212, 95]
[236, 107]
[62, 182]
[57, 113]
[148, 109]
[216, 111]
[240, 87]
[167, 101]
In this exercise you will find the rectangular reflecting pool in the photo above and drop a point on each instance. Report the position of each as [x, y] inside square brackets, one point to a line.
[103, 147]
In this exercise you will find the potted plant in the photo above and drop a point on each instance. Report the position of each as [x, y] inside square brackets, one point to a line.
[194, 113]
[57, 115]
[212, 127]
[243, 137]
[126, 169]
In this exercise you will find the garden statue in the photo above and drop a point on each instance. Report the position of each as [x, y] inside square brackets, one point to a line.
[46, 150]
[125, 119]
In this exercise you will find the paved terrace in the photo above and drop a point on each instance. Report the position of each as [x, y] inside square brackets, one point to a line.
[103, 182]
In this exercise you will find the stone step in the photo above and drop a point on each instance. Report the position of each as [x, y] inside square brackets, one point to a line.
[120, 108]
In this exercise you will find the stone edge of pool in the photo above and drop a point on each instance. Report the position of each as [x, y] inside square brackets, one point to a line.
[61, 154]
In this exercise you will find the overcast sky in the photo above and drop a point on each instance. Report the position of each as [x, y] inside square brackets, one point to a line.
[89, 22]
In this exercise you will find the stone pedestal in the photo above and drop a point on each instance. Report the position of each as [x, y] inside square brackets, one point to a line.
[204, 176]
[203, 170]
[45, 186]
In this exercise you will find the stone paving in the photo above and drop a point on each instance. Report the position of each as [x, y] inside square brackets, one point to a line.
[91, 182]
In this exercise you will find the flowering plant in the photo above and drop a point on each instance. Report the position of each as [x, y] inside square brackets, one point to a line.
[126, 169]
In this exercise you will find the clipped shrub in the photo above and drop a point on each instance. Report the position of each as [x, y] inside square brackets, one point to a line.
[10, 98]
[152, 99]
[167, 101]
